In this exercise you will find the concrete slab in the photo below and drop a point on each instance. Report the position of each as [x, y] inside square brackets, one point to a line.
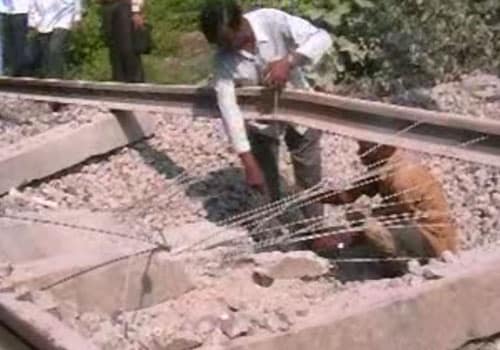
[9, 341]
[440, 315]
[25, 239]
[127, 285]
[40, 329]
[63, 147]
[44, 254]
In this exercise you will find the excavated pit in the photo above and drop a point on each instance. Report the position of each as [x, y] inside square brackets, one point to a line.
[209, 299]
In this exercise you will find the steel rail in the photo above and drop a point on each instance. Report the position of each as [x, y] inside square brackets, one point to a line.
[436, 132]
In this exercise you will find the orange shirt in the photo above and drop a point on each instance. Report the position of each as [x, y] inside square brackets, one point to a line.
[410, 191]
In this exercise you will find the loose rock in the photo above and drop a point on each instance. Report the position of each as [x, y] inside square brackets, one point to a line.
[449, 257]
[234, 325]
[430, 273]
[6, 269]
[291, 265]
[276, 323]
[178, 341]
[415, 268]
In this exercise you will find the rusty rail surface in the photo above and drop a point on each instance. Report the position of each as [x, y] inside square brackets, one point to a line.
[425, 131]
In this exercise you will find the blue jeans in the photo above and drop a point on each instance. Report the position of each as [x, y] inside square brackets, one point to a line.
[15, 30]
[53, 51]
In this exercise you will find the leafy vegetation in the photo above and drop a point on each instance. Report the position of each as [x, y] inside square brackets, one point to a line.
[385, 45]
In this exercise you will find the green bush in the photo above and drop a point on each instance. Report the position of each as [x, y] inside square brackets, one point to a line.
[414, 42]
[394, 44]
[386, 44]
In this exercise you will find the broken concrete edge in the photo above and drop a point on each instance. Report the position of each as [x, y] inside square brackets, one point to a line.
[442, 314]
[63, 147]
[39, 328]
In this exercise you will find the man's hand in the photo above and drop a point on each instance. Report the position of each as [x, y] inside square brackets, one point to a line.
[138, 20]
[277, 72]
[77, 25]
[333, 242]
[356, 218]
[253, 173]
[339, 198]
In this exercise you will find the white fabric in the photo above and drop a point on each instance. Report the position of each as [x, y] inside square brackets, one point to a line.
[4, 6]
[15, 7]
[277, 34]
[137, 5]
[47, 15]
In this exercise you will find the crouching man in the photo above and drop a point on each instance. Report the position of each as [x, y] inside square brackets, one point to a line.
[413, 219]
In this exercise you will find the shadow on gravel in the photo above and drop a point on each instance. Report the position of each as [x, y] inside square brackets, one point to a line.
[160, 161]
[223, 193]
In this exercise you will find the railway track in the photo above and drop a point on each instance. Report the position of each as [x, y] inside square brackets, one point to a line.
[416, 129]
[426, 131]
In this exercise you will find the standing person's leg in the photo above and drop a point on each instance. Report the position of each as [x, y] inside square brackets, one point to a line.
[7, 44]
[122, 33]
[56, 53]
[18, 34]
[33, 52]
[266, 151]
[265, 148]
[108, 11]
[43, 40]
[1, 43]
[306, 159]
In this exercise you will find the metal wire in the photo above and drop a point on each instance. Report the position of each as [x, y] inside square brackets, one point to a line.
[96, 267]
[74, 227]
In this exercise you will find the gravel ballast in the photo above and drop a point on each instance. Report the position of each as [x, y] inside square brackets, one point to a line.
[143, 186]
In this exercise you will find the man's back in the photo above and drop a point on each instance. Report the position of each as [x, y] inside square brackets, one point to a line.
[409, 189]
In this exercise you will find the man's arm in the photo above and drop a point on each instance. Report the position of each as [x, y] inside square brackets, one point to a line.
[231, 114]
[137, 13]
[311, 44]
[34, 16]
[235, 124]
[352, 194]
[77, 18]
[137, 6]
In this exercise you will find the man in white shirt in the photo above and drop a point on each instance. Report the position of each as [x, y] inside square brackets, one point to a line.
[53, 20]
[14, 15]
[119, 20]
[265, 47]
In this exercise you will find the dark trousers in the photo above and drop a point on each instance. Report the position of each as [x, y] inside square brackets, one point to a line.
[52, 48]
[305, 153]
[15, 31]
[117, 25]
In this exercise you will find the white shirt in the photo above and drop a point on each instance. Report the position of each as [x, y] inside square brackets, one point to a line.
[4, 6]
[15, 7]
[277, 34]
[47, 15]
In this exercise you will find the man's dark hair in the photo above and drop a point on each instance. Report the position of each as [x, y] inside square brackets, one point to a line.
[216, 15]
